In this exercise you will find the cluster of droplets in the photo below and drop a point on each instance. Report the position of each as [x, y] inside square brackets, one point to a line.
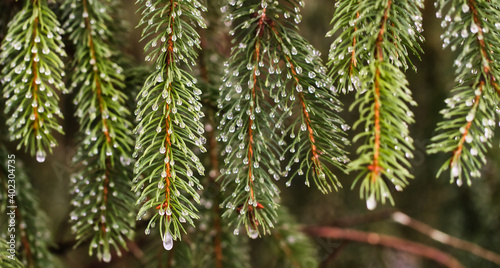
[99, 211]
[171, 113]
[352, 49]
[472, 135]
[31, 82]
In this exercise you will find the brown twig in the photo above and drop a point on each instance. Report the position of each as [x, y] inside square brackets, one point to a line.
[444, 238]
[385, 241]
[214, 160]
[333, 255]
[362, 219]
[421, 227]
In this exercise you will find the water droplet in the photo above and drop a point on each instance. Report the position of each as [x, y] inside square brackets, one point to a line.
[236, 231]
[40, 156]
[474, 28]
[106, 257]
[298, 69]
[371, 203]
[398, 188]
[469, 117]
[465, 8]
[473, 151]
[253, 233]
[168, 242]
[455, 170]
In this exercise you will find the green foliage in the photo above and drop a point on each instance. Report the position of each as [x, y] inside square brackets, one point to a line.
[32, 236]
[101, 186]
[5, 259]
[275, 87]
[372, 47]
[31, 77]
[169, 113]
[470, 117]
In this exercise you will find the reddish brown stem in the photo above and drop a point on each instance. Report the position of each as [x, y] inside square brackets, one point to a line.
[25, 242]
[97, 79]
[353, 53]
[214, 163]
[375, 167]
[457, 152]
[36, 123]
[486, 70]
[305, 113]
[252, 108]
[168, 142]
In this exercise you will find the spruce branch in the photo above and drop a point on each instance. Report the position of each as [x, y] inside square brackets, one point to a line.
[31, 77]
[469, 120]
[169, 114]
[374, 47]
[5, 258]
[274, 74]
[32, 235]
[101, 186]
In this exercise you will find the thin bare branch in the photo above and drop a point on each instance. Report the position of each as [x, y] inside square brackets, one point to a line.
[385, 241]
[444, 238]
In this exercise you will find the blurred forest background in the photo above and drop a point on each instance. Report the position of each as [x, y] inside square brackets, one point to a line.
[469, 213]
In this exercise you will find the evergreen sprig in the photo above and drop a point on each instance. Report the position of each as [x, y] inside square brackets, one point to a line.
[32, 235]
[169, 114]
[31, 77]
[470, 117]
[275, 87]
[101, 187]
[5, 258]
[369, 56]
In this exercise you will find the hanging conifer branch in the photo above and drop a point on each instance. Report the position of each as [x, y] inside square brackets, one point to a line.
[32, 234]
[377, 45]
[100, 187]
[169, 113]
[273, 71]
[32, 77]
[469, 120]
